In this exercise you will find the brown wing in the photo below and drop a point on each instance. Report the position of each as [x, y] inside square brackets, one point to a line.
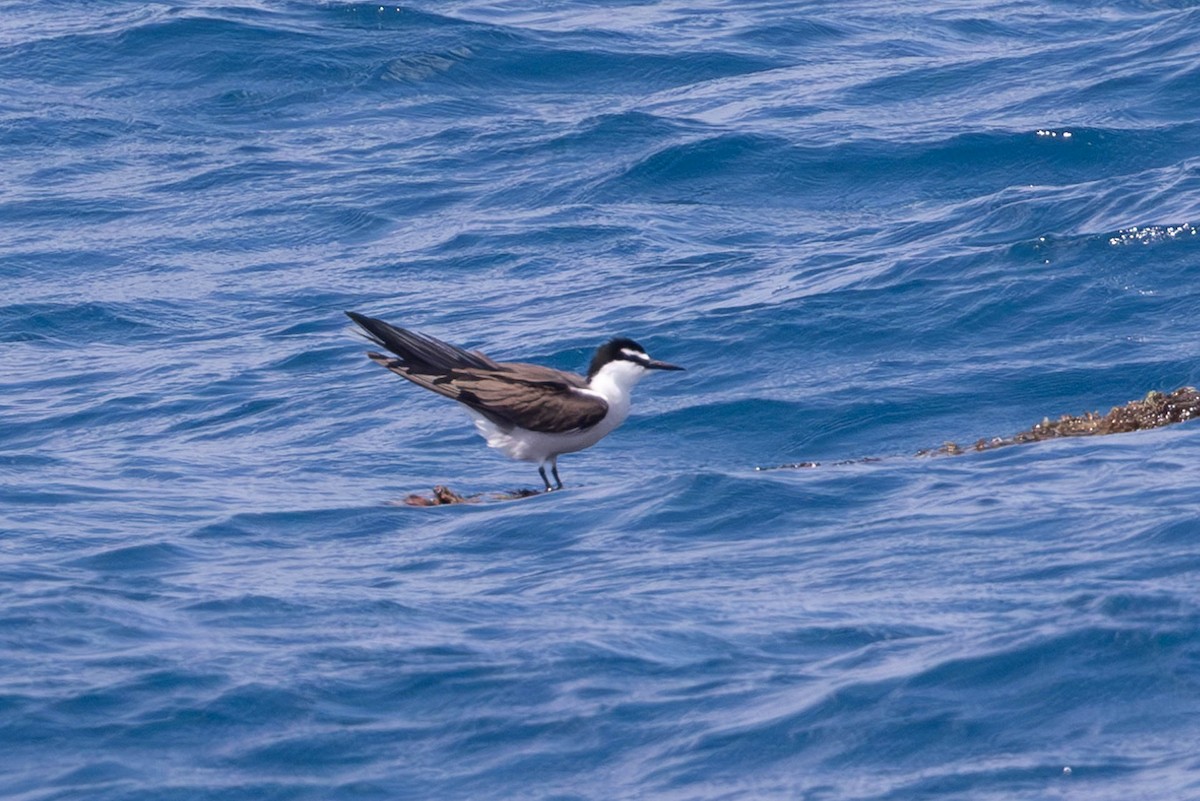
[552, 406]
[507, 393]
[539, 399]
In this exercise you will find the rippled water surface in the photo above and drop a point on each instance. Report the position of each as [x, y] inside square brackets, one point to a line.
[866, 228]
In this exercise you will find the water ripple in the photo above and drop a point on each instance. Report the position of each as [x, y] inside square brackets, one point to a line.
[865, 229]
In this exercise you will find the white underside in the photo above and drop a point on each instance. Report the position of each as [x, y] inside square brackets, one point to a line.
[613, 383]
[537, 446]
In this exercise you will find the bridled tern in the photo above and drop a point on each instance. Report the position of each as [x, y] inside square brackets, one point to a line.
[529, 412]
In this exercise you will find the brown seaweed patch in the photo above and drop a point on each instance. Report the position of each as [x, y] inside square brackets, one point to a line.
[1153, 411]
[444, 496]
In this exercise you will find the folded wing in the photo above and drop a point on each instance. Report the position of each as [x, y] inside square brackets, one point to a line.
[509, 394]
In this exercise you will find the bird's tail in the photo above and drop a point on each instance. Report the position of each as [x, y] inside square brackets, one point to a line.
[419, 351]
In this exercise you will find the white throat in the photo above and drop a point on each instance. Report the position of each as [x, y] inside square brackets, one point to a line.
[614, 382]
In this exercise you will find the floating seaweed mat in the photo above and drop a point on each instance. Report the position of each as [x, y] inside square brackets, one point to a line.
[1153, 411]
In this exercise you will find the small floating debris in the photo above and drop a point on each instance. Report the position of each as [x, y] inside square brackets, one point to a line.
[444, 496]
[811, 465]
[1153, 411]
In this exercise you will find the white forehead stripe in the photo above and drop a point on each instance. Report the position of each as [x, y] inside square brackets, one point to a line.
[636, 355]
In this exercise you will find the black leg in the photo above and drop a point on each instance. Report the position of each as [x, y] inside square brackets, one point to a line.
[542, 473]
[554, 470]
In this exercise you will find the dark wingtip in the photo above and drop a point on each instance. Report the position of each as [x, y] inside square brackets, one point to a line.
[368, 327]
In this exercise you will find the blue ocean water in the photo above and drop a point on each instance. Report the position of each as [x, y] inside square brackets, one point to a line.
[865, 227]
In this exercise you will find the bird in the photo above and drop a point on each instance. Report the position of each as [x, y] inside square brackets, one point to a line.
[527, 411]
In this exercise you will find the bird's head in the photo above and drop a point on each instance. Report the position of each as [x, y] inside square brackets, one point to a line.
[625, 360]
